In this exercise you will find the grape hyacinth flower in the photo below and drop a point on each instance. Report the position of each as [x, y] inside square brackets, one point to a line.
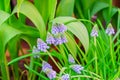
[58, 28]
[62, 28]
[110, 30]
[57, 40]
[50, 73]
[60, 39]
[77, 68]
[50, 39]
[45, 66]
[63, 39]
[71, 59]
[35, 51]
[65, 77]
[41, 45]
[94, 32]
[47, 69]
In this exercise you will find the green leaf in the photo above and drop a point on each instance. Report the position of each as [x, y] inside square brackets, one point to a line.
[77, 28]
[52, 8]
[71, 44]
[46, 8]
[97, 7]
[29, 10]
[3, 16]
[19, 2]
[5, 5]
[65, 8]
[108, 17]
[8, 33]
[14, 50]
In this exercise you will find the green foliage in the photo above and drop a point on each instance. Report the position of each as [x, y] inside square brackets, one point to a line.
[65, 8]
[98, 55]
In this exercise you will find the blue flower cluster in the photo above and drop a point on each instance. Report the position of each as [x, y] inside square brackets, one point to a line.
[41, 46]
[47, 69]
[58, 28]
[94, 32]
[57, 37]
[35, 51]
[75, 67]
[71, 59]
[109, 31]
[65, 77]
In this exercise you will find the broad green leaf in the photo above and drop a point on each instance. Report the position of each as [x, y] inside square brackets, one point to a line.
[77, 28]
[1, 5]
[97, 7]
[6, 34]
[46, 8]
[78, 9]
[14, 50]
[29, 10]
[86, 7]
[42, 6]
[52, 8]
[71, 46]
[65, 8]
[5, 5]
[107, 16]
[25, 29]
[3, 16]
[19, 2]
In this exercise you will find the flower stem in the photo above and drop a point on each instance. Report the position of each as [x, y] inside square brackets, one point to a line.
[111, 52]
[96, 64]
[54, 61]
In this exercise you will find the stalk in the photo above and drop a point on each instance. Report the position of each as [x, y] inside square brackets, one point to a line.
[4, 69]
[31, 66]
[54, 60]
[96, 64]
[118, 26]
[111, 52]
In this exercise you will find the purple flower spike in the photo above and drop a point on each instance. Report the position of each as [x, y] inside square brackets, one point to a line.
[71, 59]
[54, 29]
[58, 28]
[35, 51]
[50, 73]
[110, 30]
[45, 66]
[62, 28]
[65, 77]
[57, 41]
[77, 68]
[41, 45]
[94, 32]
[63, 39]
[50, 39]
